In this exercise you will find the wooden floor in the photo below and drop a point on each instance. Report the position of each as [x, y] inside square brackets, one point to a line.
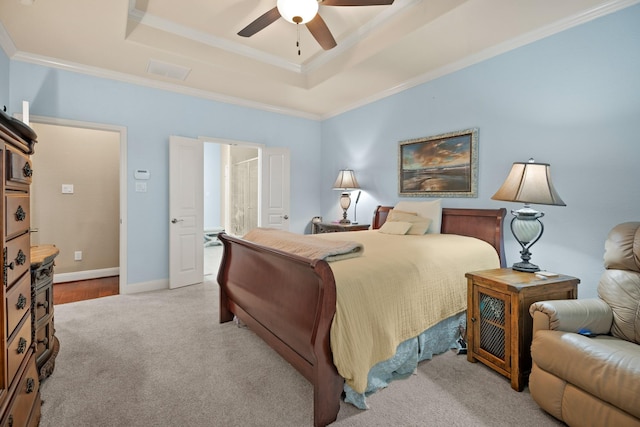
[85, 289]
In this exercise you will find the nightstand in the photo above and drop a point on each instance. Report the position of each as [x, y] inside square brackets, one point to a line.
[499, 326]
[333, 227]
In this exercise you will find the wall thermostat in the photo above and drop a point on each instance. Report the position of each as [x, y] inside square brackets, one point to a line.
[141, 174]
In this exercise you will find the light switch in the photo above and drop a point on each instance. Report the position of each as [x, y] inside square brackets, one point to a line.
[67, 188]
[141, 187]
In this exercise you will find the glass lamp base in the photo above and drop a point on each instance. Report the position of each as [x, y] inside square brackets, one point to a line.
[527, 229]
[345, 202]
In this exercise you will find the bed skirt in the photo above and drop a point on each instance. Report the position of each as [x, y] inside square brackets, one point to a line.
[435, 340]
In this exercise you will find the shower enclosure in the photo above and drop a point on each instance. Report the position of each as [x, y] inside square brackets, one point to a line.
[242, 190]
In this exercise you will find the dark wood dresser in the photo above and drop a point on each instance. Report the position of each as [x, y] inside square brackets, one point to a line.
[47, 345]
[19, 383]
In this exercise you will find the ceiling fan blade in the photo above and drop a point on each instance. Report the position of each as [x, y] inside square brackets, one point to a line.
[321, 32]
[261, 23]
[356, 2]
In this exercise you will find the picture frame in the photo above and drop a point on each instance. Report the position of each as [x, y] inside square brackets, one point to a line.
[443, 165]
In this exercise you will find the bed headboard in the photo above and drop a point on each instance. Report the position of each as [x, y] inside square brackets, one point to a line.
[483, 224]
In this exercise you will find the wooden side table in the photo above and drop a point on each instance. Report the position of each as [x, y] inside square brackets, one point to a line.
[499, 327]
[47, 344]
[334, 227]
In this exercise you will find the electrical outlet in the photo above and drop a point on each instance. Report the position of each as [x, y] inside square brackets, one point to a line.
[77, 255]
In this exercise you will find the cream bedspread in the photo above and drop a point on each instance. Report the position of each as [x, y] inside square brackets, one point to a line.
[399, 287]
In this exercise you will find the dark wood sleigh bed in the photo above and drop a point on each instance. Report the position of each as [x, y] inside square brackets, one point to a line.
[258, 283]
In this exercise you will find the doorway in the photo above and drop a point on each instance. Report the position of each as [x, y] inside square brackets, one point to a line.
[187, 232]
[231, 196]
[78, 202]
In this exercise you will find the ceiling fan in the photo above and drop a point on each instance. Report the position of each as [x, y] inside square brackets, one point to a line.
[306, 12]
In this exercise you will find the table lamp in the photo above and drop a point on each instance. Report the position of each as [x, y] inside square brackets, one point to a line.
[528, 183]
[346, 181]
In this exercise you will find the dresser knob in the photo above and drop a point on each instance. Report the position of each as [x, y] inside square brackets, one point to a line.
[22, 345]
[31, 385]
[21, 258]
[473, 319]
[44, 341]
[27, 171]
[44, 304]
[22, 302]
[20, 214]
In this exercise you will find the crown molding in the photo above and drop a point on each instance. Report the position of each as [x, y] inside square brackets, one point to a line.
[528, 38]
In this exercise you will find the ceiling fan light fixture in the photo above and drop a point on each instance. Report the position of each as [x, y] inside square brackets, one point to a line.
[297, 11]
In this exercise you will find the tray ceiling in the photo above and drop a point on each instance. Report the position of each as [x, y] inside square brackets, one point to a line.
[192, 46]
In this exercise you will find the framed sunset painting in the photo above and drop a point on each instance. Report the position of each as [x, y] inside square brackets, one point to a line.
[439, 166]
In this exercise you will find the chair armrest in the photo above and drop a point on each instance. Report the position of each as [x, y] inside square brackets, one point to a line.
[572, 315]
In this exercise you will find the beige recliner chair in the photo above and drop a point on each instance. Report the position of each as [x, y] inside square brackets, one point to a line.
[593, 380]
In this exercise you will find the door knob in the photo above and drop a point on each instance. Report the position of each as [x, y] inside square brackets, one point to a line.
[286, 217]
[175, 220]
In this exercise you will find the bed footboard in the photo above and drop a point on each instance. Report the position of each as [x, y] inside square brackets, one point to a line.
[288, 301]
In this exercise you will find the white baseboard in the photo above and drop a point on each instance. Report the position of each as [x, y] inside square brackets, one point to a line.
[85, 275]
[131, 288]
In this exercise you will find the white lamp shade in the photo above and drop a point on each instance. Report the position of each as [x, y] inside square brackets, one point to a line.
[346, 180]
[529, 183]
[304, 10]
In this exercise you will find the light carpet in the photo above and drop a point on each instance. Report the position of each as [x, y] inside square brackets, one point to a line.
[162, 359]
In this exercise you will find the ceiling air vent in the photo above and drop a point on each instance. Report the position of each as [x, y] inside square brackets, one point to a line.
[167, 70]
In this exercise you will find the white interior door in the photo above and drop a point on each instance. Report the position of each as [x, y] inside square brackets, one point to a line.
[275, 188]
[186, 212]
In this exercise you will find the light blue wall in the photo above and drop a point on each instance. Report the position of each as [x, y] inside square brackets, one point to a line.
[571, 100]
[4, 80]
[151, 116]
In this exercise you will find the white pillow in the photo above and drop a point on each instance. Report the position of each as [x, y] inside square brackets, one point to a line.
[395, 227]
[430, 209]
[419, 224]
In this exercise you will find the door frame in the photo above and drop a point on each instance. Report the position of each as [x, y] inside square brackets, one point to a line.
[122, 130]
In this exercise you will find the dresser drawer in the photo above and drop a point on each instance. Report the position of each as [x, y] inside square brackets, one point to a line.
[18, 255]
[43, 275]
[18, 303]
[44, 302]
[36, 414]
[18, 348]
[19, 170]
[17, 214]
[20, 411]
[44, 338]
